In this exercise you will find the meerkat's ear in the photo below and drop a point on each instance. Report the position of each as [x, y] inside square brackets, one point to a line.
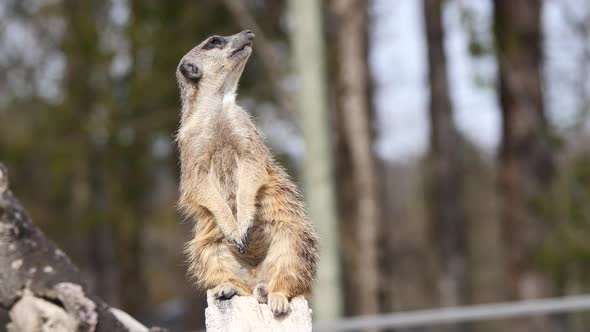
[191, 71]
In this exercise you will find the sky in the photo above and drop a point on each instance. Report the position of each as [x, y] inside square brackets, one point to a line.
[399, 67]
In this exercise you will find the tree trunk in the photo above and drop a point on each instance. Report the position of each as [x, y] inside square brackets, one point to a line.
[87, 201]
[412, 273]
[526, 165]
[318, 176]
[354, 114]
[486, 260]
[445, 181]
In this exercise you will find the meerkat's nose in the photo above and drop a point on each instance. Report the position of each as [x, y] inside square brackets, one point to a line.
[249, 34]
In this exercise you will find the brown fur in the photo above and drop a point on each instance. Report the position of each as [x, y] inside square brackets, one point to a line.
[251, 232]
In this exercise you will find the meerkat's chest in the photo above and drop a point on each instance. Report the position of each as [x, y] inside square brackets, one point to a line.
[218, 153]
[214, 140]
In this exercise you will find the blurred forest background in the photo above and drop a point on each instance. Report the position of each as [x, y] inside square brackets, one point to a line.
[456, 145]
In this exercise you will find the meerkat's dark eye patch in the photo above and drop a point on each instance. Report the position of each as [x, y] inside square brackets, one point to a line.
[191, 71]
[215, 42]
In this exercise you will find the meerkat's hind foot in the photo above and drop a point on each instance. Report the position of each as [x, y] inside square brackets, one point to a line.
[278, 303]
[260, 292]
[225, 290]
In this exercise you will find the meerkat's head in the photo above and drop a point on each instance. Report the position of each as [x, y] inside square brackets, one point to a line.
[215, 65]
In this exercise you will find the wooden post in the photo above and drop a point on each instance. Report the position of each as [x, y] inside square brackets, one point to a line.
[245, 314]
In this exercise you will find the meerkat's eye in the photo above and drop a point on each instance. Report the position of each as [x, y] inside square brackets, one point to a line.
[215, 42]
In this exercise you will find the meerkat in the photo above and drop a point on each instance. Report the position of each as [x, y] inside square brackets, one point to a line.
[251, 234]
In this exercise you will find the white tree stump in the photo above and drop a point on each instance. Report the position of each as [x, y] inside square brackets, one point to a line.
[245, 314]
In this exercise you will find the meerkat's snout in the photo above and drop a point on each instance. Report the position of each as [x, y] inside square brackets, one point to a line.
[248, 34]
[243, 41]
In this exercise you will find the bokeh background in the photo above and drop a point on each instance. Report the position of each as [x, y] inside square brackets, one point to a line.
[456, 144]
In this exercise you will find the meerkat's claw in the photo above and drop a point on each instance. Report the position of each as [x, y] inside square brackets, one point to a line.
[242, 244]
[241, 247]
[245, 237]
[278, 303]
[225, 291]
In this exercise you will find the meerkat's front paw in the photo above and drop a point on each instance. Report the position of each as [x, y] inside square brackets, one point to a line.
[278, 303]
[240, 240]
[225, 290]
[260, 292]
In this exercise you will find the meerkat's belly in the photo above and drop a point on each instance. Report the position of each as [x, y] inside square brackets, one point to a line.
[224, 165]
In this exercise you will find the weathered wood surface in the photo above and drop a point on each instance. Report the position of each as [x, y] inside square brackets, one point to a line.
[245, 314]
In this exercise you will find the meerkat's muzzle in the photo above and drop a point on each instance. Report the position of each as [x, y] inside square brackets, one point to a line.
[243, 41]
